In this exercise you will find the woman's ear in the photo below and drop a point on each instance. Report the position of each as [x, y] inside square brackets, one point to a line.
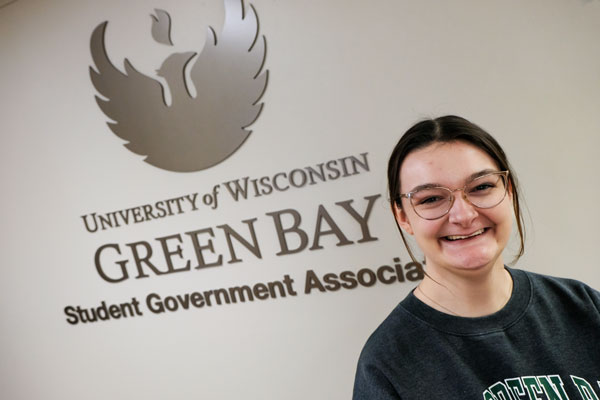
[402, 219]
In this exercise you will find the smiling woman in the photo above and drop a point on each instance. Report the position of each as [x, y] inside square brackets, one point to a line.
[484, 329]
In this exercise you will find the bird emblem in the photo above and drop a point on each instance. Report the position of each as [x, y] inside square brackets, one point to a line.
[191, 133]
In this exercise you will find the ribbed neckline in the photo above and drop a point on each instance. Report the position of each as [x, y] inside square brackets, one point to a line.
[500, 320]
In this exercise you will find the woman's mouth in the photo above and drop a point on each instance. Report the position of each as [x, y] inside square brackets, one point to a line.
[463, 237]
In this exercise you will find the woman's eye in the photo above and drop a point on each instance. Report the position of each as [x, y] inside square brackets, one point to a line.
[430, 200]
[482, 187]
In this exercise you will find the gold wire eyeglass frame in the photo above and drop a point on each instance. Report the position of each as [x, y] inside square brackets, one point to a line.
[451, 198]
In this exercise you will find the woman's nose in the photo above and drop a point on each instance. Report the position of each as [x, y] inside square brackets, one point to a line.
[462, 211]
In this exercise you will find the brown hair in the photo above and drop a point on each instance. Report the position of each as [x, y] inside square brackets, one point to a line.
[450, 128]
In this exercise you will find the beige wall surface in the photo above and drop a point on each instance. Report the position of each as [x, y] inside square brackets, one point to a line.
[345, 78]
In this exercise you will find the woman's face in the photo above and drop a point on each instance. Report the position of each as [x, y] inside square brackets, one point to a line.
[487, 230]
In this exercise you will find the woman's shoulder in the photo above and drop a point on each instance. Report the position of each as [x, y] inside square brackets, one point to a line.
[384, 365]
[560, 283]
[562, 289]
[396, 334]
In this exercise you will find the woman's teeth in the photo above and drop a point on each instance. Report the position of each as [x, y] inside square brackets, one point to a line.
[459, 237]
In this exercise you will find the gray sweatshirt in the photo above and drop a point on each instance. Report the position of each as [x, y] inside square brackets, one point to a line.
[544, 344]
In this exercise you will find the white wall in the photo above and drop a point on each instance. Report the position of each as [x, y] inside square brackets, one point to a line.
[346, 77]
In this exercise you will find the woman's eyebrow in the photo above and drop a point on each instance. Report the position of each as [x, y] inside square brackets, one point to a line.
[426, 186]
[469, 178]
[481, 173]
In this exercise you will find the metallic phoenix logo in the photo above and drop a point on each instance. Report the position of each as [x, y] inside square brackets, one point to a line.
[191, 133]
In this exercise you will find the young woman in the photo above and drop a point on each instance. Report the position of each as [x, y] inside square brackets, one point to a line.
[474, 328]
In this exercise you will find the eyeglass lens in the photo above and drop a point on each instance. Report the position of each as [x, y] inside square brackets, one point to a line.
[483, 192]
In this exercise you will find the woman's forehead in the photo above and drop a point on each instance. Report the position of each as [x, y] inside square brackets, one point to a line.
[448, 164]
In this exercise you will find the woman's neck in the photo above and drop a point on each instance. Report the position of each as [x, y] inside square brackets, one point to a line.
[466, 294]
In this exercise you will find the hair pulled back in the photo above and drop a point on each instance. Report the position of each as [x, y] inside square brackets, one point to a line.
[450, 128]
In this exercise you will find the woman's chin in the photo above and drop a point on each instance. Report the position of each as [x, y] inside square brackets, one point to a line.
[470, 261]
[469, 255]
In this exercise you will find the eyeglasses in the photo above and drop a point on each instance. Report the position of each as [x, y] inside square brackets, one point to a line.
[434, 202]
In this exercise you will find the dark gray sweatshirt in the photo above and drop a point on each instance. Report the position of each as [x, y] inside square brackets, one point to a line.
[544, 344]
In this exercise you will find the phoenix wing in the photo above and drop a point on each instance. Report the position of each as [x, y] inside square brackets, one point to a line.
[228, 80]
[134, 101]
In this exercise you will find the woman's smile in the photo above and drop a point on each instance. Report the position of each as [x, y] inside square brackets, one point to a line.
[464, 236]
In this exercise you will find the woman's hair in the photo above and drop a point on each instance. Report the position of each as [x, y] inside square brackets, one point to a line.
[450, 128]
